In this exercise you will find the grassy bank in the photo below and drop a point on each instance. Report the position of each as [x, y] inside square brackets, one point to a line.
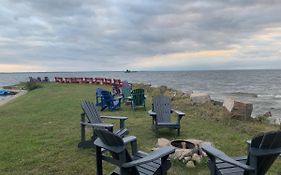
[40, 131]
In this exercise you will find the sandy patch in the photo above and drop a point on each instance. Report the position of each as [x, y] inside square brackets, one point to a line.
[12, 97]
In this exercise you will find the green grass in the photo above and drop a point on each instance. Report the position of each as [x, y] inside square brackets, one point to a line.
[39, 131]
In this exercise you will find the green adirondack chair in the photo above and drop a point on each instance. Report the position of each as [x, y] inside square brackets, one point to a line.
[126, 94]
[137, 98]
[263, 150]
[136, 163]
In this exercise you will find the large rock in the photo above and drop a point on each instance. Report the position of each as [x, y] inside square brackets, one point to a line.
[200, 98]
[163, 142]
[274, 121]
[238, 108]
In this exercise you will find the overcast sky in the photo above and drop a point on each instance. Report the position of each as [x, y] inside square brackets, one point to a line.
[89, 35]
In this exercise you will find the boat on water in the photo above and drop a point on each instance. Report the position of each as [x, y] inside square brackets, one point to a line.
[129, 71]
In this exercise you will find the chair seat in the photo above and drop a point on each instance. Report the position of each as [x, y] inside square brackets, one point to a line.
[116, 103]
[168, 124]
[121, 132]
[149, 168]
[229, 169]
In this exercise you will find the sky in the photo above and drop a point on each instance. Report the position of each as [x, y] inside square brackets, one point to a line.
[105, 35]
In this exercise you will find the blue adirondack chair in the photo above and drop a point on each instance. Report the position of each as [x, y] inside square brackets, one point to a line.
[136, 163]
[109, 102]
[98, 97]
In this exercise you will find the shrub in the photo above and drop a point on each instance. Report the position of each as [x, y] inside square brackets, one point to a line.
[31, 86]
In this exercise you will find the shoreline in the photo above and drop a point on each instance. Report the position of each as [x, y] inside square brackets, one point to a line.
[12, 97]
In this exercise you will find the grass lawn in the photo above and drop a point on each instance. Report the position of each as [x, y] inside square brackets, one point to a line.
[39, 131]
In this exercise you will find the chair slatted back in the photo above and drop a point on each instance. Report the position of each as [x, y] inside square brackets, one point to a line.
[98, 92]
[138, 96]
[270, 140]
[109, 138]
[107, 98]
[125, 83]
[126, 91]
[162, 107]
[91, 112]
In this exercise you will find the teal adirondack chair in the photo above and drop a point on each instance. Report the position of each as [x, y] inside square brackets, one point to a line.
[126, 94]
[137, 98]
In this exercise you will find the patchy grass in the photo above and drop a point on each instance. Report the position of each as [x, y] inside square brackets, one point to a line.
[40, 131]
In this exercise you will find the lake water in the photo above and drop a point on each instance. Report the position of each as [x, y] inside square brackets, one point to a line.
[260, 87]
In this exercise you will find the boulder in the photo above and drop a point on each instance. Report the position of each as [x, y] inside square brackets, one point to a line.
[238, 108]
[274, 120]
[196, 158]
[200, 98]
[163, 142]
[190, 164]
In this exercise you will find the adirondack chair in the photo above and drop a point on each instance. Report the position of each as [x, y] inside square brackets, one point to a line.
[136, 163]
[116, 90]
[126, 94]
[161, 114]
[99, 101]
[91, 118]
[137, 98]
[263, 150]
[109, 102]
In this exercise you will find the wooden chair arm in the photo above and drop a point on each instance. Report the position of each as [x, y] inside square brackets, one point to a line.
[213, 152]
[264, 152]
[129, 139]
[179, 113]
[114, 117]
[121, 118]
[161, 152]
[151, 113]
[105, 125]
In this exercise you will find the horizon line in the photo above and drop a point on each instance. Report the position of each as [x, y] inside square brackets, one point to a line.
[193, 70]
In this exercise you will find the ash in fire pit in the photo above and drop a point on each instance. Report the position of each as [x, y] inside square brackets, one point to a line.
[183, 144]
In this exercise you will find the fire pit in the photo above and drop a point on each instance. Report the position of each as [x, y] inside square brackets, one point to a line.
[183, 144]
[189, 151]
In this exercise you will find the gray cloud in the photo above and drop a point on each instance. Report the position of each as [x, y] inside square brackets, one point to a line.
[71, 35]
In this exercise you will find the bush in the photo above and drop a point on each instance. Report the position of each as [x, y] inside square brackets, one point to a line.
[32, 85]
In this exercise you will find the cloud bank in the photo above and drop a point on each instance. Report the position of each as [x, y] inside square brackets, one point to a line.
[87, 35]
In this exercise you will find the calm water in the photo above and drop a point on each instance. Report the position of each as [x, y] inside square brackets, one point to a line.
[260, 87]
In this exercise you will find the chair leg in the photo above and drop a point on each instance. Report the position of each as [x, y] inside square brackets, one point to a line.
[178, 131]
[156, 132]
[98, 160]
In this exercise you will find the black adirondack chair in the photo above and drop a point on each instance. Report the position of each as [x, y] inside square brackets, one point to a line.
[108, 101]
[262, 152]
[161, 114]
[138, 98]
[94, 121]
[136, 163]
